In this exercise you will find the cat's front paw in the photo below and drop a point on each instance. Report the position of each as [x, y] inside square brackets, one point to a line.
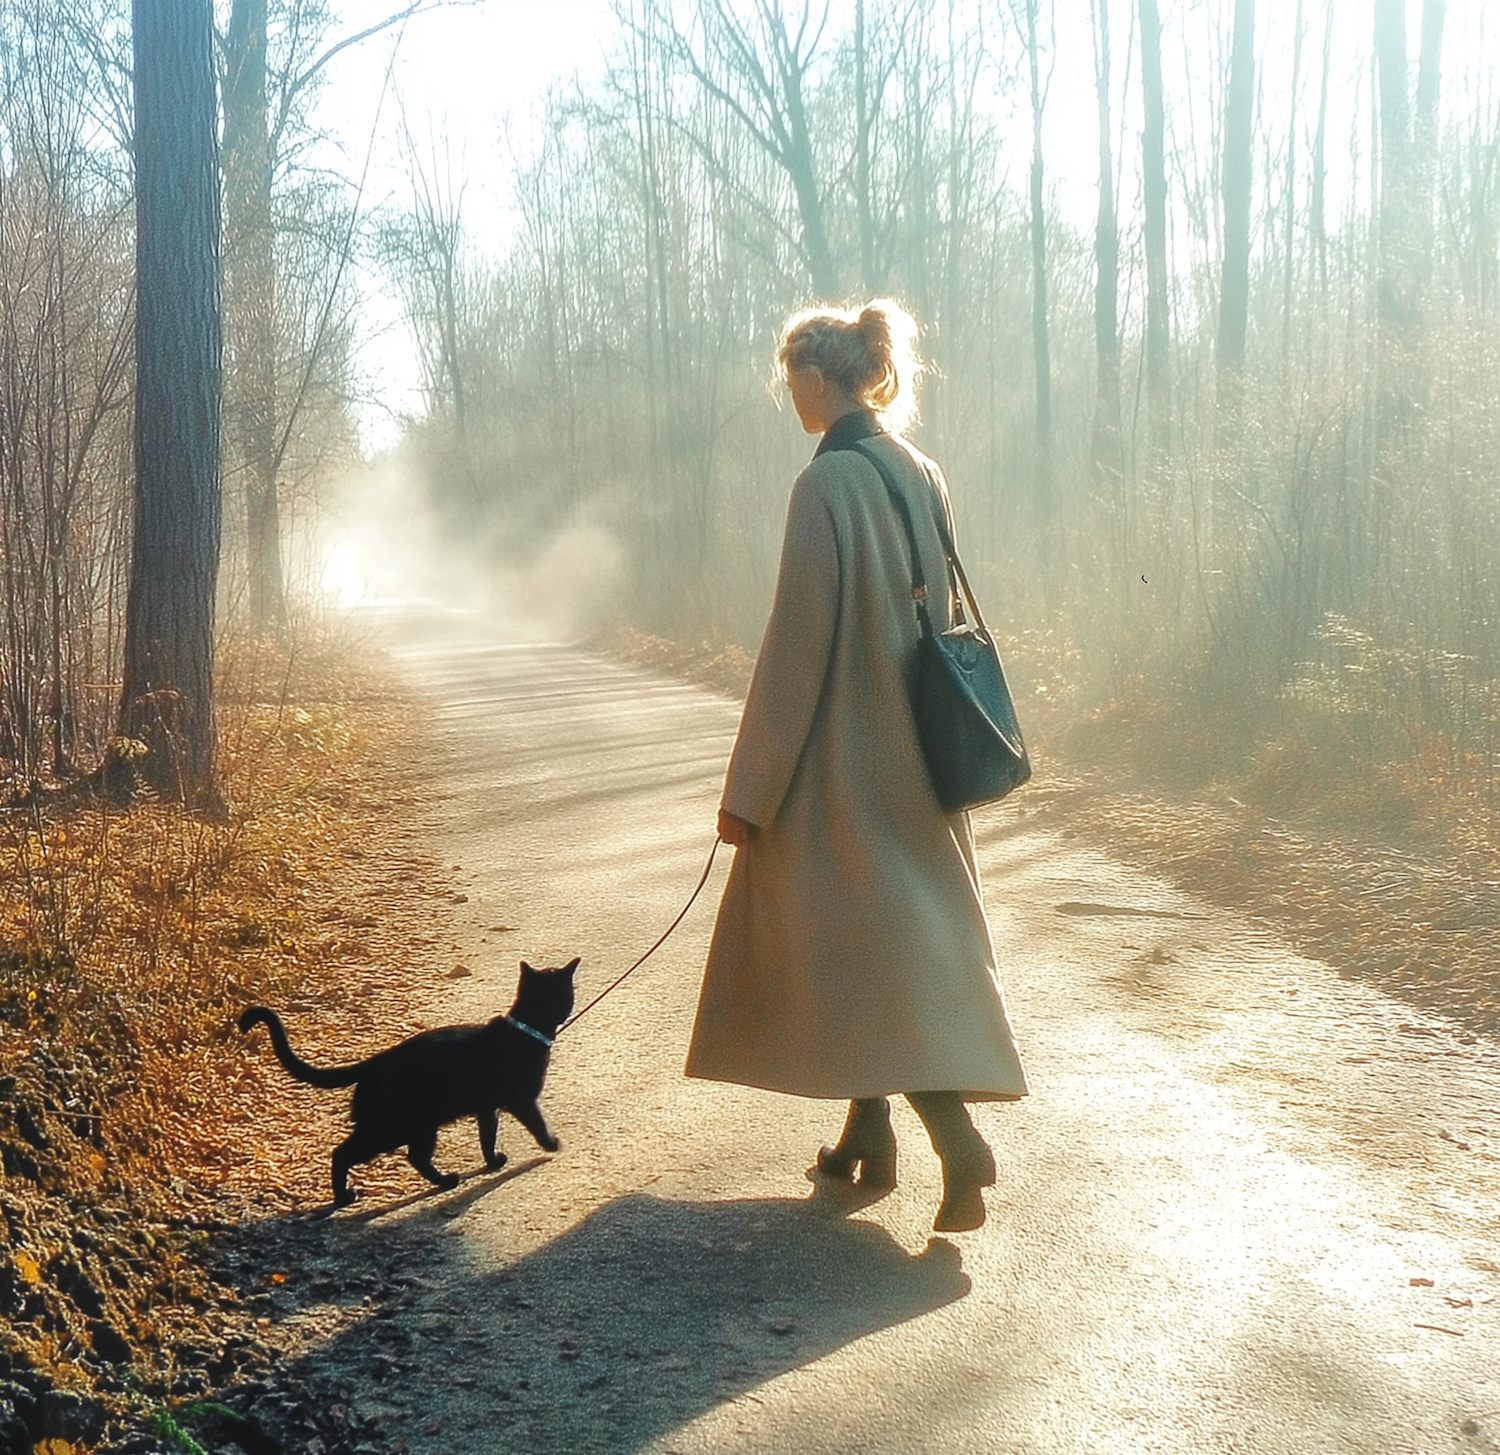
[549, 1143]
[345, 1198]
[448, 1181]
[495, 1161]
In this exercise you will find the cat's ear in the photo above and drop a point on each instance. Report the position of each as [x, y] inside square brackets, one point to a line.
[572, 964]
[526, 970]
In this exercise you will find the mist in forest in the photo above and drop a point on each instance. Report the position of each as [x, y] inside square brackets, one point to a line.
[1209, 291]
[377, 544]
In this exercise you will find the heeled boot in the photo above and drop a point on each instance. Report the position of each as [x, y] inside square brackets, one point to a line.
[866, 1141]
[968, 1163]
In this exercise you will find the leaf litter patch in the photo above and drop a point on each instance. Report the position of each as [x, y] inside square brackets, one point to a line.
[156, 1283]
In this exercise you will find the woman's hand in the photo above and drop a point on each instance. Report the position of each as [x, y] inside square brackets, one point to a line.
[734, 830]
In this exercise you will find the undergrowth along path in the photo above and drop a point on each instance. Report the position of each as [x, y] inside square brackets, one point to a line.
[138, 1132]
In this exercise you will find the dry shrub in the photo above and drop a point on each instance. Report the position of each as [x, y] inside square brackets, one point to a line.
[131, 940]
[722, 666]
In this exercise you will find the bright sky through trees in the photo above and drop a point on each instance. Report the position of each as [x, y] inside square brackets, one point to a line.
[467, 83]
[465, 80]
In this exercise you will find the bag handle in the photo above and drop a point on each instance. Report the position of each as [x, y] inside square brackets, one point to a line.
[957, 577]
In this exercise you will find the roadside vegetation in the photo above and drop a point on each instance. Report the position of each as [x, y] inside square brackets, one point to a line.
[141, 1138]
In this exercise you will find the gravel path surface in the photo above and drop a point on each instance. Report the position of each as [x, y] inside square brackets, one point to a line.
[1250, 1206]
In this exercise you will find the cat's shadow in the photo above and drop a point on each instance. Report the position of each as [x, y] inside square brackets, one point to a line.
[473, 1186]
[639, 1319]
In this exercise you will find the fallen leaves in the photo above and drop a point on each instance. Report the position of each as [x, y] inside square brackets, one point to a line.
[137, 937]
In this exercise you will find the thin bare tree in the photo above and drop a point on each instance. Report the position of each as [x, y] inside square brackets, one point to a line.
[759, 67]
[1026, 14]
[1106, 450]
[1158, 274]
[1234, 277]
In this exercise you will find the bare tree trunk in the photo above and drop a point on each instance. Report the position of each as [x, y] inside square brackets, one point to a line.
[864, 120]
[797, 157]
[1396, 303]
[1234, 284]
[1041, 343]
[1317, 201]
[762, 80]
[167, 701]
[1107, 452]
[820, 267]
[250, 306]
[1425, 136]
[1154, 189]
[1289, 212]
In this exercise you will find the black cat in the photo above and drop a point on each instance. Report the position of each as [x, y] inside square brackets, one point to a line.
[402, 1096]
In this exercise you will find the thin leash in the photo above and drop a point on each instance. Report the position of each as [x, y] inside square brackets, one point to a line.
[666, 935]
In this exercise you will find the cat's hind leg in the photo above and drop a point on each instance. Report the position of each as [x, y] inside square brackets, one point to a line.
[357, 1147]
[529, 1114]
[419, 1153]
[489, 1129]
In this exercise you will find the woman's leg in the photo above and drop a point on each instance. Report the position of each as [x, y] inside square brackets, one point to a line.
[867, 1140]
[968, 1163]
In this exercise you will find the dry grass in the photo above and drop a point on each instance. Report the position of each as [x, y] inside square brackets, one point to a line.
[137, 1127]
[721, 666]
[129, 943]
[1390, 875]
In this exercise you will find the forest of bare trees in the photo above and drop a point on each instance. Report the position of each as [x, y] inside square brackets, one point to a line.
[69, 296]
[1225, 451]
[1222, 441]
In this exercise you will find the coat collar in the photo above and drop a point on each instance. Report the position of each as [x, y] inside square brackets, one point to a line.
[858, 424]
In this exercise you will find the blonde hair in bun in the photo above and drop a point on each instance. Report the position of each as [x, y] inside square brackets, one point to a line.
[870, 353]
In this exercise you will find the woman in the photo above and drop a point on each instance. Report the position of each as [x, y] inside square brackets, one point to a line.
[851, 957]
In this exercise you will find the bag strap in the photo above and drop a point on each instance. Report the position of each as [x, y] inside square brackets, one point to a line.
[961, 577]
[898, 499]
[957, 577]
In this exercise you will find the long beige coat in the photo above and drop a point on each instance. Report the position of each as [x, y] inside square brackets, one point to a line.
[851, 956]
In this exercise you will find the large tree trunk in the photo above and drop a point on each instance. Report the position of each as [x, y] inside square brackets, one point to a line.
[1234, 283]
[250, 306]
[1154, 189]
[167, 702]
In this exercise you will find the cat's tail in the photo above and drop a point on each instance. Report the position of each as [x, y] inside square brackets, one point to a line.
[330, 1077]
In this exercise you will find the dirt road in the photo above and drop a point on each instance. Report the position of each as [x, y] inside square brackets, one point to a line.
[1250, 1206]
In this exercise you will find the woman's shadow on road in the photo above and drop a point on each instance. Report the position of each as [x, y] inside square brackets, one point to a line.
[645, 1315]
